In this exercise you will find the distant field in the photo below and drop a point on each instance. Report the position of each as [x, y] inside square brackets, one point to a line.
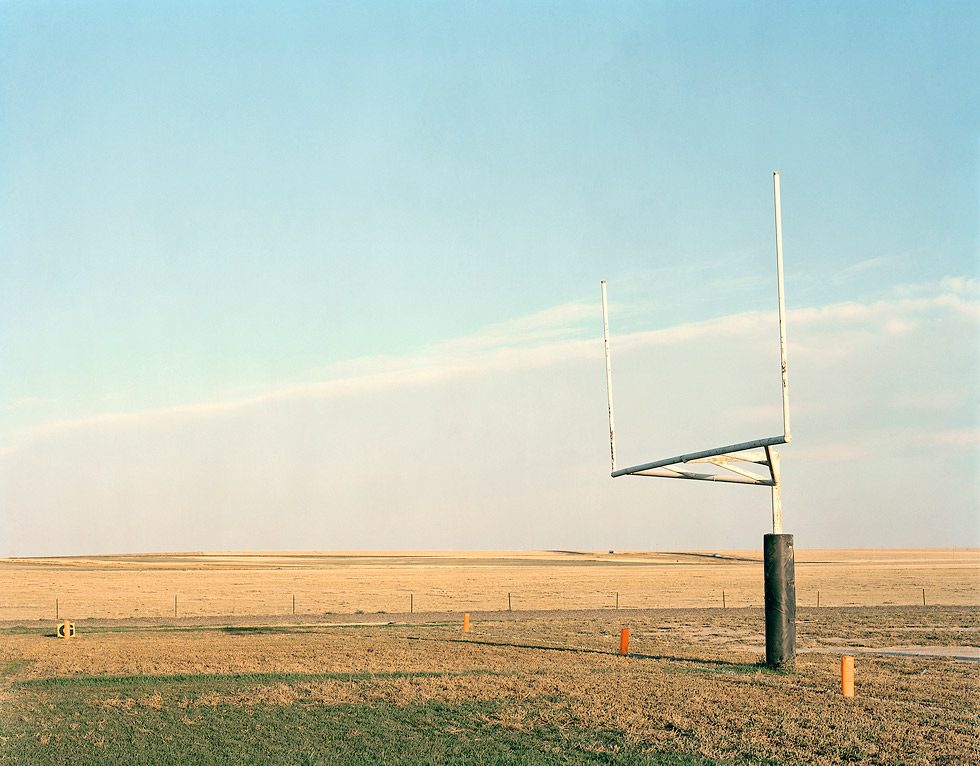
[517, 690]
[238, 584]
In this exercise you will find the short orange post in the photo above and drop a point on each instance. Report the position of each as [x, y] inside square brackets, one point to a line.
[847, 675]
[466, 622]
[624, 641]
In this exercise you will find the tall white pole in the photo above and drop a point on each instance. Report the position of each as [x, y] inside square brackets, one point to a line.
[609, 397]
[777, 493]
[782, 306]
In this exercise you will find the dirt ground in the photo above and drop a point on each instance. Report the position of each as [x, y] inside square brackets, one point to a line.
[243, 584]
[107, 647]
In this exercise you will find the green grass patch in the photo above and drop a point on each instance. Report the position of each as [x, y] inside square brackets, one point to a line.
[223, 680]
[719, 670]
[26, 630]
[730, 669]
[54, 723]
[251, 630]
[9, 667]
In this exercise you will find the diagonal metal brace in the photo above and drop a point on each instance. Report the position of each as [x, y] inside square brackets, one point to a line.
[668, 473]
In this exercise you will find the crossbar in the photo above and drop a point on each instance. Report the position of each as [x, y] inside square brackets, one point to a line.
[691, 456]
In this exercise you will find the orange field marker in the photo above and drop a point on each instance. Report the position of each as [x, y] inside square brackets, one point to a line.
[847, 675]
[466, 622]
[624, 641]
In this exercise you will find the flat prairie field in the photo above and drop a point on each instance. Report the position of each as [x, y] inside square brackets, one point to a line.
[314, 583]
[543, 683]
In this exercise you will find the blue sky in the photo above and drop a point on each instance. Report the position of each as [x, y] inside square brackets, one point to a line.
[205, 203]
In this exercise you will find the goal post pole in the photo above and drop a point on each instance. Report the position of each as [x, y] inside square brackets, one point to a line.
[782, 305]
[609, 395]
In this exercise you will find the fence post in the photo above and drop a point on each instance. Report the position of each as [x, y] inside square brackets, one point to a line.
[509, 608]
[617, 599]
[56, 609]
[723, 604]
[411, 603]
[818, 598]
[923, 597]
[175, 604]
[294, 603]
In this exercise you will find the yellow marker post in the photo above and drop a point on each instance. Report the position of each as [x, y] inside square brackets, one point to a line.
[466, 622]
[624, 641]
[66, 630]
[847, 675]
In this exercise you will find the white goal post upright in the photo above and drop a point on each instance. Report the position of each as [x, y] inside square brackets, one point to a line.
[787, 435]
[609, 402]
[731, 459]
[729, 456]
[777, 499]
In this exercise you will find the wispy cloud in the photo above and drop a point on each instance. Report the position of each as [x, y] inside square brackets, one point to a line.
[542, 338]
[487, 426]
[568, 331]
[26, 402]
[556, 324]
[868, 264]
[943, 437]
[950, 398]
[834, 452]
[888, 441]
[967, 286]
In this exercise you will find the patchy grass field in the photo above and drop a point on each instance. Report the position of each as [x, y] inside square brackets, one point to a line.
[519, 689]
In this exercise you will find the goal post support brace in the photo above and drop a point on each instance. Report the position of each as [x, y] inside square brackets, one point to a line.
[779, 566]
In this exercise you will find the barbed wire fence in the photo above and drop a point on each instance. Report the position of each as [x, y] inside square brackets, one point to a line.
[249, 603]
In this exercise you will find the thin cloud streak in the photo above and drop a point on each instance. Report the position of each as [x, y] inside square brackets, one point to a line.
[544, 338]
[454, 446]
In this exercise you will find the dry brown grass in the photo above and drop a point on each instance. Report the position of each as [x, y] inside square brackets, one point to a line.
[690, 685]
[264, 583]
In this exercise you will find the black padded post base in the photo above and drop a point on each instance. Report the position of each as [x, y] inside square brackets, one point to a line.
[780, 573]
